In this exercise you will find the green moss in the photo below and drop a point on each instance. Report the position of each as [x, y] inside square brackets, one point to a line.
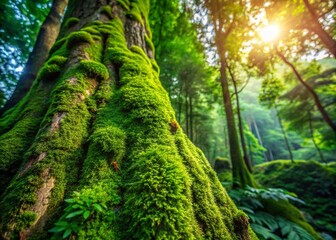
[316, 188]
[149, 43]
[241, 225]
[71, 22]
[106, 10]
[124, 4]
[79, 37]
[135, 15]
[110, 140]
[92, 30]
[25, 220]
[57, 46]
[95, 23]
[94, 69]
[49, 72]
[105, 29]
[60, 140]
[57, 60]
[139, 50]
[222, 164]
[155, 183]
[155, 66]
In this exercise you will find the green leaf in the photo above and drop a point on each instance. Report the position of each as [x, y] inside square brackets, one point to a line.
[98, 207]
[73, 214]
[69, 200]
[86, 214]
[61, 223]
[57, 229]
[66, 233]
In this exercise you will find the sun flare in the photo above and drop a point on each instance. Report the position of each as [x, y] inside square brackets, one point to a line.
[270, 33]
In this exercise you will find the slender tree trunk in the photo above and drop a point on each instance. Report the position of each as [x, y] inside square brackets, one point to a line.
[250, 152]
[226, 141]
[179, 108]
[240, 123]
[317, 101]
[104, 137]
[191, 118]
[45, 40]
[271, 154]
[240, 171]
[317, 28]
[187, 113]
[312, 137]
[258, 136]
[285, 136]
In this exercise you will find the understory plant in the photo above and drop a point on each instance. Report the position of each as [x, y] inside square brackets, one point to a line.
[265, 225]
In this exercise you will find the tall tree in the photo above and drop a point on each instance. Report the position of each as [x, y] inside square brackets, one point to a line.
[45, 40]
[20, 23]
[226, 17]
[98, 129]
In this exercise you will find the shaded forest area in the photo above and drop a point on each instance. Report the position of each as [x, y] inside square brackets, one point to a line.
[149, 119]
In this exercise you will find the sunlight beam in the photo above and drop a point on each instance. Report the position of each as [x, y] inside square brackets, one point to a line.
[270, 33]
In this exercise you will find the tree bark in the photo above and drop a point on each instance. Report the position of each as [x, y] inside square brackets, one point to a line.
[191, 119]
[317, 101]
[240, 173]
[45, 40]
[106, 139]
[285, 136]
[258, 136]
[317, 28]
[240, 124]
[311, 129]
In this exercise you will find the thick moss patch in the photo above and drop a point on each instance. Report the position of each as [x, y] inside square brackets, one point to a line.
[311, 181]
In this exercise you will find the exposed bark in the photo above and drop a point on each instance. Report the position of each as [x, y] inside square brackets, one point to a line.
[44, 41]
[317, 101]
[317, 28]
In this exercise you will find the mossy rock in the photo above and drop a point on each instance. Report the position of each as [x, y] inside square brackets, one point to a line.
[313, 182]
[222, 164]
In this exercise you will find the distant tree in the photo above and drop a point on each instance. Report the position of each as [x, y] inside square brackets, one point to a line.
[44, 41]
[94, 150]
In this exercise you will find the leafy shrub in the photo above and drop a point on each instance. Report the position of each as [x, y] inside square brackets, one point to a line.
[264, 224]
[313, 182]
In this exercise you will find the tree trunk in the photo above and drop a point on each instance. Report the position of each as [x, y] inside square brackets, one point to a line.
[313, 139]
[187, 113]
[45, 40]
[97, 129]
[240, 173]
[258, 136]
[285, 136]
[317, 28]
[240, 124]
[317, 101]
[191, 119]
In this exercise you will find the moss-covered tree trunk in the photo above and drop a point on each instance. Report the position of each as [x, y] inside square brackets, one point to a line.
[93, 151]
